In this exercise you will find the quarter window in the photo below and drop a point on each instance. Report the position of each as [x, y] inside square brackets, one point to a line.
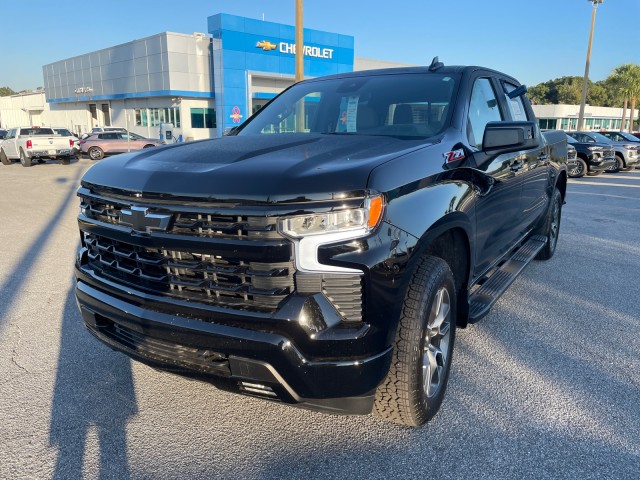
[518, 112]
[483, 109]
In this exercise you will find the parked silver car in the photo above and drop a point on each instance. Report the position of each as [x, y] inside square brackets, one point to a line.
[100, 144]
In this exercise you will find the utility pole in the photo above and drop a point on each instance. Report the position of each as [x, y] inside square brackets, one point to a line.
[299, 43]
[299, 64]
[585, 82]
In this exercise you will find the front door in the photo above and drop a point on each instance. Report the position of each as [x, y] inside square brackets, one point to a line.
[497, 210]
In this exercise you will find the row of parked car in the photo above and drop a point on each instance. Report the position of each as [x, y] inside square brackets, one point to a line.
[30, 144]
[591, 153]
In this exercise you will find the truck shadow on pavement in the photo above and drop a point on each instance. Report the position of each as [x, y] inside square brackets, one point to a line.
[93, 392]
[12, 288]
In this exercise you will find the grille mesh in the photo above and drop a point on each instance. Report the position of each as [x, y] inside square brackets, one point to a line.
[195, 276]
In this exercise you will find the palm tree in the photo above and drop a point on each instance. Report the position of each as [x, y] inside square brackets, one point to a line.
[627, 81]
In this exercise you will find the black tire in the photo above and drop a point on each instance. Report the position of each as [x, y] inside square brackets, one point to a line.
[579, 170]
[65, 160]
[616, 167]
[4, 159]
[25, 160]
[420, 345]
[551, 227]
[96, 153]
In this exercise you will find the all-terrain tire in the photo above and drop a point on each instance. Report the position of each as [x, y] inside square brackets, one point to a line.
[551, 227]
[413, 390]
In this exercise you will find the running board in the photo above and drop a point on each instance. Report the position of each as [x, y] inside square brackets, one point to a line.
[482, 299]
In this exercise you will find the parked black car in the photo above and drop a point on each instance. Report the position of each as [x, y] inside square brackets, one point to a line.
[626, 153]
[593, 158]
[325, 253]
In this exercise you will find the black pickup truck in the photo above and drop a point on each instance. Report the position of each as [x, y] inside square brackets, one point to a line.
[325, 253]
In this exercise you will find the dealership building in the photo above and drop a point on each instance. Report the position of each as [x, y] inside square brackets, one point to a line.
[197, 85]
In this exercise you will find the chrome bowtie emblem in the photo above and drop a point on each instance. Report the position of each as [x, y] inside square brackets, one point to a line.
[140, 220]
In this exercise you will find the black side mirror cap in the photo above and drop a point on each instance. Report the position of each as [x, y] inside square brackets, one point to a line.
[504, 137]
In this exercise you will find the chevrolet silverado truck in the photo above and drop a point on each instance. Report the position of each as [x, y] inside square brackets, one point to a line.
[325, 253]
[31, 143]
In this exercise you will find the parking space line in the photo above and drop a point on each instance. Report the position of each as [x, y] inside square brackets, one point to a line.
[604, 184]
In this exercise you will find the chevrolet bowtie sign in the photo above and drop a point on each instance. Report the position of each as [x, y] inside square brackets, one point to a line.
[290, 48]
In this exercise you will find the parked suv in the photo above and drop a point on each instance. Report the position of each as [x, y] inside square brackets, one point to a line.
[626, 153]
[627, 138]
[593, 158]
[100, 144]
[95, 130]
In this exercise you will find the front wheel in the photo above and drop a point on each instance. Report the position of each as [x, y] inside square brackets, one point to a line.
[551, 227]
[25, 160]
[579, 170]
[417, 380]
[617, 166]
[4, 159]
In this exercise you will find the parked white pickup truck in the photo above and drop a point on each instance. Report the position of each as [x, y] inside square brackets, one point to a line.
[29, 143]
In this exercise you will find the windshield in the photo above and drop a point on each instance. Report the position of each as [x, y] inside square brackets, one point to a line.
[599, 137]
[628, 136]
[571, 139]
[399, 105]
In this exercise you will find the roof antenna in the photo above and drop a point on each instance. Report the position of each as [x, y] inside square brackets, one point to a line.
[435, 64]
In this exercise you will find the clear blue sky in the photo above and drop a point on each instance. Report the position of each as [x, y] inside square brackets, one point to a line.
[532, 40]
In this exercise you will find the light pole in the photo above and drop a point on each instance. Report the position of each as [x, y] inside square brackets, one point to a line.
[585, 82]
[299, 64]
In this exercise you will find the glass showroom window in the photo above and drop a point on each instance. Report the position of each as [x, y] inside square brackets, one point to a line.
[203, 118]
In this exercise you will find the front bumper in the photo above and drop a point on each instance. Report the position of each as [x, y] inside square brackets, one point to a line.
[245, 360]
[602, 164]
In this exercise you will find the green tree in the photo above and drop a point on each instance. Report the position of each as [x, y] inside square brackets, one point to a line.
[6, 91]
[626, 80]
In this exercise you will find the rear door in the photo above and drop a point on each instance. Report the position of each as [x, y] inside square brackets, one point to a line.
[498, 209]
[535, 171]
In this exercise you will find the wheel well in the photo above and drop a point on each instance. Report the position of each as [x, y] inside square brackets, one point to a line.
[561, 184]
[453, 247]
[583, 156]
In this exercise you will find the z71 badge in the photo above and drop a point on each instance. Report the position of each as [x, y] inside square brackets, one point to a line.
[454, 155]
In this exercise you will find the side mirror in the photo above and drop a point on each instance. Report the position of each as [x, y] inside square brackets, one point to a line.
[504, 137]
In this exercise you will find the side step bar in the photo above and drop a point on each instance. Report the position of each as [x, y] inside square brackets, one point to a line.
[483, 298]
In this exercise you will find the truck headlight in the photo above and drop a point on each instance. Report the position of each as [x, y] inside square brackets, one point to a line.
[315, 229]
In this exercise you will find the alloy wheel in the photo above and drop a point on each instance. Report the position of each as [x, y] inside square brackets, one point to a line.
[436, 343]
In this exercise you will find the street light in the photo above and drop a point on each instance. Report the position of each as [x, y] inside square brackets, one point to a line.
[585, 82]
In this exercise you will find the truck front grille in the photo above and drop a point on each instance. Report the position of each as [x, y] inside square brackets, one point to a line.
[207, 278]
[185, 222]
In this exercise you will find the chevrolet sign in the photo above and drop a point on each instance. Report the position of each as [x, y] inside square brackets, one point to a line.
[290, 48]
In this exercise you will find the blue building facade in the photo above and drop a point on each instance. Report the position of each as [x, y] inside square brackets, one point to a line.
[252, 60]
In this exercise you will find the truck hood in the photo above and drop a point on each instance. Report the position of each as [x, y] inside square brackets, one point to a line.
[256, 168]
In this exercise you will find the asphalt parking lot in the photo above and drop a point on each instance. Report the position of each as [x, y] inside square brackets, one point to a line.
[546, 386]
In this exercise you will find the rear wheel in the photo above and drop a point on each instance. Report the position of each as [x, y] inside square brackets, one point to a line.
[579, 170]
[4, 159]
[551, 227]
[24, 159]
[96, 153]
[417, 380]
